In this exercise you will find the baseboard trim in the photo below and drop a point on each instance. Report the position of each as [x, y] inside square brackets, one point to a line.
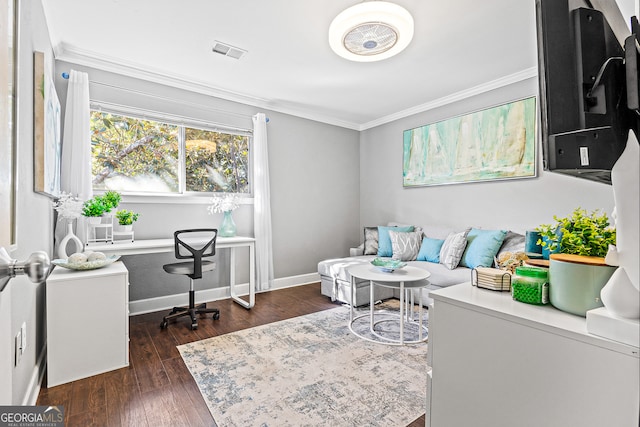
[33, 390]
[169, 301]
[291, 281]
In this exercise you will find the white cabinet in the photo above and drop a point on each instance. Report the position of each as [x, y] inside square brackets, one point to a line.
[87, 322]
[501, 363]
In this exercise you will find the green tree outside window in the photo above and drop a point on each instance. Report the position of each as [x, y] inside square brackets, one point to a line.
[139, 155]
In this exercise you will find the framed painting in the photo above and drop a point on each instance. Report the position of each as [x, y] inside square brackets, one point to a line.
[8, 121]
[47, 150]
[493, 144]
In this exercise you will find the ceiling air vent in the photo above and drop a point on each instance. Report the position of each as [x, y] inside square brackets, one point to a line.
[228, 50]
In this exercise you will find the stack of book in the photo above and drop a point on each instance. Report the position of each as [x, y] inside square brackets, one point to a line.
[491, 278]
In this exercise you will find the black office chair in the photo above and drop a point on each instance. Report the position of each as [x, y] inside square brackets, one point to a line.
[194, 248]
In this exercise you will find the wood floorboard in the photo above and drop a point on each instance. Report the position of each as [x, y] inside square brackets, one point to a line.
[148, 367]
[124, 402]
[57, 396]
[92, 418]
[162, 408]
[177, 370]
[185, 402]
[165, 343]
[157, 389]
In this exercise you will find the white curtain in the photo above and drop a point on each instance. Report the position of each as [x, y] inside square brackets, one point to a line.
[75, 171]
[76, 142]
[262, 204]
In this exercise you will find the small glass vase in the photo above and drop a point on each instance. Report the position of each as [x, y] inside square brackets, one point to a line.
[228, 226]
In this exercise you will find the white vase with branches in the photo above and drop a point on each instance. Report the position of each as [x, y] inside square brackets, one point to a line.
[69, 208]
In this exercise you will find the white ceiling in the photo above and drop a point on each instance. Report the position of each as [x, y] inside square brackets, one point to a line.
[459, 48]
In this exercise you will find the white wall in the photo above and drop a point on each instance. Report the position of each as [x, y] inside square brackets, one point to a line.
[313, 174]
[515, 204]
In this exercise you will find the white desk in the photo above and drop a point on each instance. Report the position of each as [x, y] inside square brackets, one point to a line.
[153, 246]
[87, 322]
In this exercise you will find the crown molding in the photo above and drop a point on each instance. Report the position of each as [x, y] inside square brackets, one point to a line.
[72, 54]
[458, 96]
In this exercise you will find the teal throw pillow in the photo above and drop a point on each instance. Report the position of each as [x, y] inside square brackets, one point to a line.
[430, 250]
[384, 241]
[482, 247]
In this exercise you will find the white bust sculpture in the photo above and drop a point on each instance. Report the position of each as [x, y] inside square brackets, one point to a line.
[621, 295]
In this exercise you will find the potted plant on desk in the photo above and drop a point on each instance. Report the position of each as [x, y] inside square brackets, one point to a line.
[93, 209]
[126, 218]
[577, 270]
[111, 199]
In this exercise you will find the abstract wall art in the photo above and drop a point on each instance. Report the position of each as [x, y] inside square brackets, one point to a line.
[47, 143]
[492, 144]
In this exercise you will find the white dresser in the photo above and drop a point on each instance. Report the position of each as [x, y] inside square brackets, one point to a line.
[502, 363]
[87, 322]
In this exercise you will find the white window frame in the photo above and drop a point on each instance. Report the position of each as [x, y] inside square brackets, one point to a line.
[182, 196]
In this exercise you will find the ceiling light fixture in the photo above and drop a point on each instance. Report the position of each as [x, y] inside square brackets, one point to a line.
[371, 31]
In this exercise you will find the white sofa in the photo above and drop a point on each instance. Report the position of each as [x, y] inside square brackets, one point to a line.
[336, 281]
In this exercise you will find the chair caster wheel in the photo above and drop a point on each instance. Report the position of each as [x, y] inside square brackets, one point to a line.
[164, 324]
[216, 316]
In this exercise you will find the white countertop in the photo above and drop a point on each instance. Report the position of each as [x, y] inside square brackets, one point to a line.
[149, 246]
[545, 317]
[61, 273]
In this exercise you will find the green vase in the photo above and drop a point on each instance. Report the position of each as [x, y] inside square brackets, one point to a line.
[228, 226]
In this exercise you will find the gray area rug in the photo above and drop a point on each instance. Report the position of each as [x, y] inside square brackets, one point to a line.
[308, 371]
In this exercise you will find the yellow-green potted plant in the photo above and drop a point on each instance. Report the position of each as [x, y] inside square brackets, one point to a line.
[126, 218]
[577, 271]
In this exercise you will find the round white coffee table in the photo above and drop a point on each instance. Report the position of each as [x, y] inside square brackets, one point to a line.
[404, 279]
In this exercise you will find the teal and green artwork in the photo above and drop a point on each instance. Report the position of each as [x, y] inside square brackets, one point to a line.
[496, 143]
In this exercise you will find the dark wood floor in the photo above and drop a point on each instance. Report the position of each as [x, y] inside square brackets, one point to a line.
[157, 389]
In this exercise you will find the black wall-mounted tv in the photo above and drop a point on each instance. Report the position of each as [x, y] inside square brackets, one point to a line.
[631, 65]
[583, 76]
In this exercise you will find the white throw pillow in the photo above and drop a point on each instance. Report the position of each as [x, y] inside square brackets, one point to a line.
[370, 240]
[453, 248]
[405, 245]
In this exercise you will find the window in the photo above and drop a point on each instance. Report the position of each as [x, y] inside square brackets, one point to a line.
[134, 155]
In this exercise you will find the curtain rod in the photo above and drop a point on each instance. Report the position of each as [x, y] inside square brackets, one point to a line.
[65, 76]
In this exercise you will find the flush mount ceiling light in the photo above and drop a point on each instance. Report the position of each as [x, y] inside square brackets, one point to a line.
[371, 31]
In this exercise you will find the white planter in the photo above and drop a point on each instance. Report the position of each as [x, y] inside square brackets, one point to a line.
[575, 282]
